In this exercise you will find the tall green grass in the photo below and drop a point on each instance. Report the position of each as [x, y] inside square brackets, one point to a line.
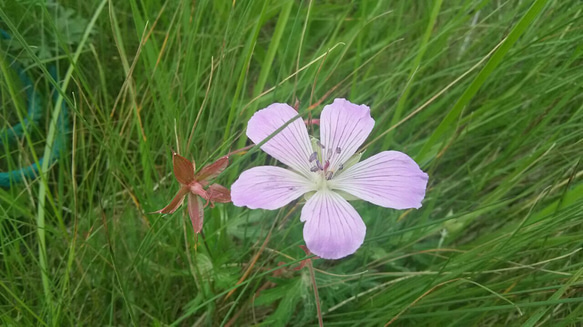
[485, 95]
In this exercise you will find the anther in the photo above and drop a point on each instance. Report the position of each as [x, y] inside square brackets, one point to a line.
[329, 175]
[340, 167]
[338, 150]
[314, 156]
[319, 165]
[326, 164]
[314, 169]
[320, 144]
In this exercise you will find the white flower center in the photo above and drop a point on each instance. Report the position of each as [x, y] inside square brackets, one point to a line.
[320, 160]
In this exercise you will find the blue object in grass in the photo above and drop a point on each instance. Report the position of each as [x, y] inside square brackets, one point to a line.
[34, 113]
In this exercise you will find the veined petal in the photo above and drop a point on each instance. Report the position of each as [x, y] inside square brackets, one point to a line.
[291, 145]
[196, 212]
[268, 187]
[333, 228]
[344, 126]
[389, 179]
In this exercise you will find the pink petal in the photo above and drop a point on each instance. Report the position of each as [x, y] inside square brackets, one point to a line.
[389, 179]
[291, 145]
[333, 228]
[344, 126]
[196, 212]
[268, 187]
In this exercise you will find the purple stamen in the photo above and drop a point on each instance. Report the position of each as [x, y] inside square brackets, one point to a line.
[319, 165]
[338, 150]
[314, 156]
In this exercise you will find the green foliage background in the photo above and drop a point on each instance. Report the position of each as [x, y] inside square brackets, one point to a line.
[497, 241]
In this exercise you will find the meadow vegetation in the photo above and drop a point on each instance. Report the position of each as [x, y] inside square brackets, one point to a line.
[485, 95]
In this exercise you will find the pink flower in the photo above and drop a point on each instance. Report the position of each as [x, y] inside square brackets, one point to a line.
[193, 185]
[327, 173]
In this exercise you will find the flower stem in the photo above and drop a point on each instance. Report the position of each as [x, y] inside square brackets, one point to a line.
[313, 278]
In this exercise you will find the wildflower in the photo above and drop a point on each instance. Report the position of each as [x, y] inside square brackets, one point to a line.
[193, 185]
[327, 173]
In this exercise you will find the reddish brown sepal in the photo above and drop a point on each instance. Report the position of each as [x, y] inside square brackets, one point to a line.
[176, 201]
[196, 188]
[183, 169]
[194, 185]
[297, 105]
[219, 193]
[312, 122]
[196, 212]
[213, 170]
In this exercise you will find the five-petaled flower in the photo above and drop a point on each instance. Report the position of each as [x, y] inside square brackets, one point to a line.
[194, 185]
[327, 172]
